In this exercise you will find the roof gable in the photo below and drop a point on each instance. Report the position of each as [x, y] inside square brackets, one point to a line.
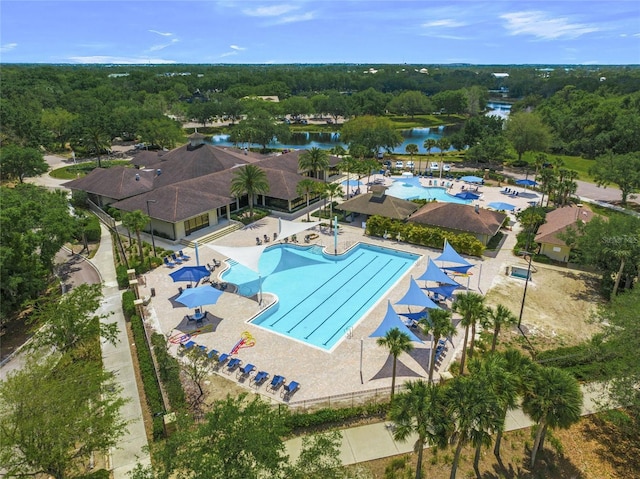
[459, 217]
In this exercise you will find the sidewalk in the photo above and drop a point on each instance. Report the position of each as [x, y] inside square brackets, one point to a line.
[118, 360]
[375, 441]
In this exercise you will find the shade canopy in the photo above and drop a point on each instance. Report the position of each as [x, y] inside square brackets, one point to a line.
[190, 273]
[467, 195]
[450, 255]
[472, 179]
[290, 228]
[445, 290]
[501, 206]
[416, 297]
[391, 321]
[526, 182]
[248, 256]
[433, 273]
[200, 296]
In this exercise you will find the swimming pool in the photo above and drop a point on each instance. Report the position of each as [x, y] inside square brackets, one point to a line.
[410, 189]
[320, 297]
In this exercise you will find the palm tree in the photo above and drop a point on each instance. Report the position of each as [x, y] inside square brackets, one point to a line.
[428, 144]
[474, 410]
[420, 411]
[314, 160]
[348, 164]
[443, 145]
[438, 323]
[305, 188]
[496, 318]
[493, 370]
[136, 221]
[397, 343]
[555, 400]
[251, 181]
[471, 307]
[332, 190]
[96, 141]
[412, 149]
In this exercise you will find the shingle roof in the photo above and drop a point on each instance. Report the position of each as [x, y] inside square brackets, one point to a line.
[376, 204]
[558, 220]
[117, 183]
[459, 217]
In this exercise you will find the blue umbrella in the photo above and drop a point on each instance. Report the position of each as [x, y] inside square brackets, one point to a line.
[467, 195]
[500, 206]
[472, 179]
[526, 182]
[190, 273]
[200, 296]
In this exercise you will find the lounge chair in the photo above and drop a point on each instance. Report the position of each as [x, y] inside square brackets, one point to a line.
[259, 378]
[217, 263]
[266, 238]
[213, 354]
[276, 382]
[233, 363]
[290, 388]
[175, 258]
[246, 369]
[258, 241]
[183, 256]
[222, 359]
[211, 268]
[275, 236]
[189, 344]
[168, 262]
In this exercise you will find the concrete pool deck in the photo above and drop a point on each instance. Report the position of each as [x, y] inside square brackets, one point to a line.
[320, 373]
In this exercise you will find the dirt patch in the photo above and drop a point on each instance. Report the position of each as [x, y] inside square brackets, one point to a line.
[558, 308]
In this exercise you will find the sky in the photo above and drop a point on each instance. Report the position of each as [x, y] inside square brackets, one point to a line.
[321, 31]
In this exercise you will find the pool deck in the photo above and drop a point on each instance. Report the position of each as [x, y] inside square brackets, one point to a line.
[320, 373]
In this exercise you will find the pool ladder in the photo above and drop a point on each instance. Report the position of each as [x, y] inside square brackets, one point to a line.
[349, 332]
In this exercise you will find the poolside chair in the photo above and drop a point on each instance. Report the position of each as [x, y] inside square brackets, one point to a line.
[222, 359]
[175, 258]
[259, 378]
[246, 370]
[290, 388]
[211, 268]
[258, 241]
[183, 256]
[217, 263]
[233, 363]
[266, 238]
[213, 354]
[188, 344]
[276, 382]
[168, 262]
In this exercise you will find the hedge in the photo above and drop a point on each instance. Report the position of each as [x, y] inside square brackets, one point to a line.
[169, 372]
[128, 308]
[424, 235]
[149, 379]
[330, 417]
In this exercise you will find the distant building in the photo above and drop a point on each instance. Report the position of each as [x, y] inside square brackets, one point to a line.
[557, 222]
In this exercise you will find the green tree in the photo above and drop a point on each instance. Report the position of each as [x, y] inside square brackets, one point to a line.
[412, 149]
[420, 411]
[621, 170]
[526, 132]
[136, 221]
[306, 188]
[54, 413]
[319, 459]
[372, 133]
[443, 145]
[429, 144]
[297, 106]
[439, 325]
[490, 149]
[163, 132]
[332, 190]
[397, 342]
[348, 164]
[59, 122]
[249, 180]
[554, 400]
[197, 368]
[64, 323]
[264, 127]
[96, 140]
[451, 101]
[315, 160]
[410, 103]
[531, 219]
[20, 163]
[471, 307]
[496, 318]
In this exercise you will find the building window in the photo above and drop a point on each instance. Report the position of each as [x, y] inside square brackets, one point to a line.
[195, 224]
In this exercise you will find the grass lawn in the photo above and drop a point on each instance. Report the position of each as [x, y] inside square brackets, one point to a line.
[79, 170]
[574, 163]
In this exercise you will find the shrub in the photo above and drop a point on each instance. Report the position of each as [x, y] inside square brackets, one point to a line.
[92, 230]
[122, 276]
[328, 417]
[79, 199]
[128, 308]
[169, 372]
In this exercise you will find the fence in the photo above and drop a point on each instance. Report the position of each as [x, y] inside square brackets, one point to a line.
[103, 215]
[358, 398]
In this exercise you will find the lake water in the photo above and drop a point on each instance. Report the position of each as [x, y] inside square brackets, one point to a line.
[328, 140]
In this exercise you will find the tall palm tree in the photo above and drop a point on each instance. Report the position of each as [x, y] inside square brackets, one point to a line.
[420, 411]
[429, 144]
[348, 164]
[314, 160]
[136, 221]
[397, 343]
[555, 401]
[471, 307]
[493, 371]
[305, 188]
[251, 181]
[332, 190]
[96, 140]
[438, 323]
[443, 145]
[473, 408]
[412, 149]
[496, 318]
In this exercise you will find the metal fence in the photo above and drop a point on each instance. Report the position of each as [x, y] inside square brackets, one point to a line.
[358, 398]
[103, 215]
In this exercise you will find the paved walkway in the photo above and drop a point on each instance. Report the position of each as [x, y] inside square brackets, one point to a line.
[375, 441]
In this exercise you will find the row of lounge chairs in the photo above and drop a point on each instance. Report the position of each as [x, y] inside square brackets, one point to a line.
[509, 191]
[175, 258]
[265, 238]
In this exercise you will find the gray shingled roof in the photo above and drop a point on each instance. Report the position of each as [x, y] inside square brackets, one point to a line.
[459, 217]
[117, 182]
[379, 204]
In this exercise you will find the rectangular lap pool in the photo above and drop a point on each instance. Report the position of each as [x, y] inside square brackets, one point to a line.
[320, 297]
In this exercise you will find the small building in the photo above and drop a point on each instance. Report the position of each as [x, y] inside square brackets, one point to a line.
[376, 202]
[557, 222]
[457, 218]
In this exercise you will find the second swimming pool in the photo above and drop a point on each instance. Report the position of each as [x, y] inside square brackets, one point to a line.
[320, 297]
[411, 189]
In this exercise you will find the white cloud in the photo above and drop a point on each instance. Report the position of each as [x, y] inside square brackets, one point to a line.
[271, 11]
[228, 54]
[444, 23]
[539, 25]
[297, 18]
[155, 48]
[7, 47]
[119, 60]
[236, 47]
[164, 34]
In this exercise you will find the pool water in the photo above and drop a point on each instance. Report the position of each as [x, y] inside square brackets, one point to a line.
[410, 189]
[320, 297]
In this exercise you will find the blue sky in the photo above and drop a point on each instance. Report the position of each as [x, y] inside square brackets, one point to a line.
[321, 31]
